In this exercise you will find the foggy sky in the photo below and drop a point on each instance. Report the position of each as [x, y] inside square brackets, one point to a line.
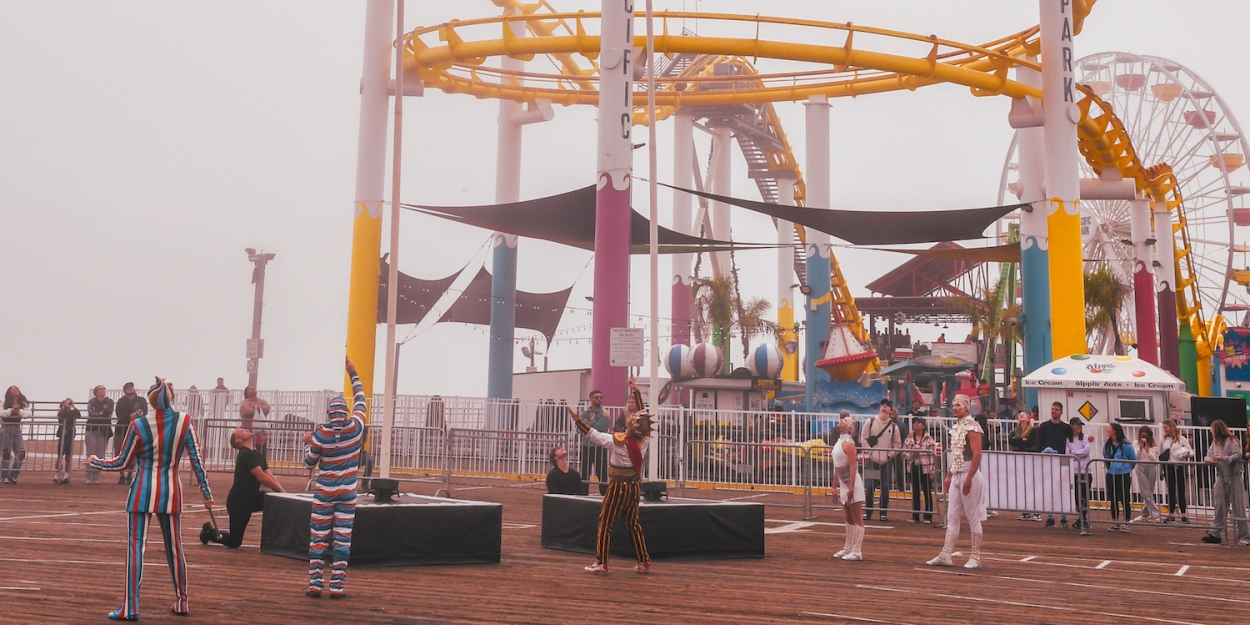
[144, 145]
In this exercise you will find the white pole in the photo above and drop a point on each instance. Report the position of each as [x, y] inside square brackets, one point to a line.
[653, 389]
[392, 280]
[722, 171]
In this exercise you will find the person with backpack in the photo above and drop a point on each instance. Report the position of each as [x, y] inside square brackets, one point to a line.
[1119, 480]
[880, 433]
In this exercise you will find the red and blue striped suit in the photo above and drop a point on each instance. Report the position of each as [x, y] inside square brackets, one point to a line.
[335, 448]
[153, 447]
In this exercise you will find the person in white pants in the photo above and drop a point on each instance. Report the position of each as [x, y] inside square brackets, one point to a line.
[850, 490]
[964, 484]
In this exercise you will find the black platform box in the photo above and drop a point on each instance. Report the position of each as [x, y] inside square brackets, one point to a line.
[414, 530]
[674, 528]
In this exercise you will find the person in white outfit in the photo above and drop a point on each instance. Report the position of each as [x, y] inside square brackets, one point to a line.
[964, 484]
[850, 490]
[1175, 449]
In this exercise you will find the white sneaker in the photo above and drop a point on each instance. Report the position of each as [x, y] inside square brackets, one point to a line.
[1244, 542]
[597, 569]
[942, 560]
[974, 563]
[853, 556]
[841, 554]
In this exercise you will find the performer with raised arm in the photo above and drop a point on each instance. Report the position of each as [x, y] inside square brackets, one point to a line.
[625, 451]
[334, 448]
[850, 490]
[964, 484]
[153, 447]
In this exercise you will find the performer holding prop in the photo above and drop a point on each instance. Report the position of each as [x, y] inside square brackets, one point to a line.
[153, 446]
[625, 451]
[965, 485]
[851, 490]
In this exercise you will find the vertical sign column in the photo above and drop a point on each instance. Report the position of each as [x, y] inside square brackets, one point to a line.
[1165, 288]
[1034, 245]
[1143, 281]
[362, 304]
[612, 206]
[787, 339]
[1060, 115]
[683, 204]
[818, 252]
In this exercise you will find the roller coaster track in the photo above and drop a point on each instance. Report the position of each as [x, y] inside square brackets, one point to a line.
[1104, 143]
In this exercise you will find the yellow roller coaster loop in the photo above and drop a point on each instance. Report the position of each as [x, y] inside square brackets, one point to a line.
[1104, 142]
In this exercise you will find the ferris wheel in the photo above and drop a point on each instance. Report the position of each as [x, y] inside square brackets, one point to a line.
[1171, 116]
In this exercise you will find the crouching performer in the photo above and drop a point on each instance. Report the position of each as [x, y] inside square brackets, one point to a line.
[965, 486]
[153, 447]
[625, 451]
[851, 490]
[335, 448]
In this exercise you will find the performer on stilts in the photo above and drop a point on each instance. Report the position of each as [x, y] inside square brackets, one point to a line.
[153, 447]
[964, 485]
[625, 451]
[334, 447]
[850, 490]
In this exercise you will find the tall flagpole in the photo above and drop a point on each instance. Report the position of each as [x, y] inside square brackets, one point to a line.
[392, 278]
[653, 389]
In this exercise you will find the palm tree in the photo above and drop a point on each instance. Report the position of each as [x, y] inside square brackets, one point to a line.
[991, 316]
[1105, 295]
[717, 305]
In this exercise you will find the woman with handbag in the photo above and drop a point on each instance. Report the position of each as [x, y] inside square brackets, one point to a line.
[99, 428]
[1146, 475]
[1119, 480]
[920, 458]
[1175, 449]
[67, 418]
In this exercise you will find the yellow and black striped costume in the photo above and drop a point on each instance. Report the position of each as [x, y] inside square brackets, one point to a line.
[625, 452]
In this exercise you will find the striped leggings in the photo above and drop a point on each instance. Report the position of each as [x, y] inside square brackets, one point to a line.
[171, 529]
[621, 499]
[331, 522]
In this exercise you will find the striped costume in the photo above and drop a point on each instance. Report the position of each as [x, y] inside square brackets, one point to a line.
[153, 447]
[625, 451]
[335, 446]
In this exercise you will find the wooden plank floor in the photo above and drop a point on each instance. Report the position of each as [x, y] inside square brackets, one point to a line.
[62, 561]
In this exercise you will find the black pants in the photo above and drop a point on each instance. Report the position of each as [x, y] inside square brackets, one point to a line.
[594, 457]
[1082, 482]
[1175, 477]
[921, 481]
[240, 516]
[1118, 489]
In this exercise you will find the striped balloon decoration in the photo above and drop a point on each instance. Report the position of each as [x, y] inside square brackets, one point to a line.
[765, 361]
[678, 362]
[706, 360]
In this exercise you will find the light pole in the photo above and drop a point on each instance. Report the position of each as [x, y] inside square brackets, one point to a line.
[255, 347]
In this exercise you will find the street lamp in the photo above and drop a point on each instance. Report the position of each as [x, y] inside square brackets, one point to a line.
[255, 346]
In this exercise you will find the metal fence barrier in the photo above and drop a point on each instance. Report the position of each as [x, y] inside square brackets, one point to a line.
[778, 467]
[898, 482]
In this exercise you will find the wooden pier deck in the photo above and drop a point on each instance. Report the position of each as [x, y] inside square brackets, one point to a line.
[62, 560]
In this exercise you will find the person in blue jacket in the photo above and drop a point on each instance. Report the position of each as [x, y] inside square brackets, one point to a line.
[1119, 474]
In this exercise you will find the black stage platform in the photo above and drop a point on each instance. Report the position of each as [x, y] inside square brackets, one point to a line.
[674, 528]
[413, 530]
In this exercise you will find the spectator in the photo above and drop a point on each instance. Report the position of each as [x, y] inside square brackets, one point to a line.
[434, 417]
[12, 447]
[252, 405]
[129, 407]
[251, 471]
[1119, 481]
[880, 433]
[219, 399]
[593, 457]
[1175, 449]
[561, 480]
[921, 458]
[1023, 439]
[1145, 475]
[1228, 457]
[1077, 445]
[1052, 438]
[99, 428]
[66, 418]
[195, 403]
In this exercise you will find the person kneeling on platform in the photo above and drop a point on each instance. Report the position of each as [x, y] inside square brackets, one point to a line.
[562, 480]
[850, 490]
[965, 485]
[625, 451]
[251, 471]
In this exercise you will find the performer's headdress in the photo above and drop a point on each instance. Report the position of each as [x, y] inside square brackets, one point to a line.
[963, 399]
[646, 423]
[161, 395]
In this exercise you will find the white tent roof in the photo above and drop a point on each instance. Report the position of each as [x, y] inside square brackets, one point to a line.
[1103, 372]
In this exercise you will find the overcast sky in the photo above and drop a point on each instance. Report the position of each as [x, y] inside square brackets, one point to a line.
[144, 145]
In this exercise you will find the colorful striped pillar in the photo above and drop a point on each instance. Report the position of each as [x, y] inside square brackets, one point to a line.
[614, 168]
[1165, 292]
[1063, 228]
[683, 208]
[1034, 253]
[819, 270]
[362, 295]
[1143, 282]
[787, 338]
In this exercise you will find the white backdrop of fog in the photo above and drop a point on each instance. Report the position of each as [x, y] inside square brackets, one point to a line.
[143, 145]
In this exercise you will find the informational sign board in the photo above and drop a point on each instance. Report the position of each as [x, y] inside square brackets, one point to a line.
[255, 348]
[625, 349]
